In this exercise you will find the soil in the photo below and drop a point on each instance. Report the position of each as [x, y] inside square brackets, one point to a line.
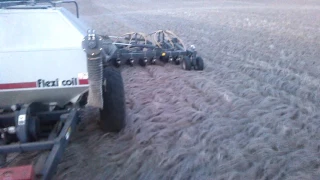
[253, 113]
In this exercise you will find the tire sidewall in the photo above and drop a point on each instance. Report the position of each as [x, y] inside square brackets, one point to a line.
[112, 116]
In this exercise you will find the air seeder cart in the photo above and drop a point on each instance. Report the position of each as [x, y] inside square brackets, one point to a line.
[52, 67]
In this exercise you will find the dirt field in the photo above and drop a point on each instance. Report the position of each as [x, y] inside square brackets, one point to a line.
[252, 114]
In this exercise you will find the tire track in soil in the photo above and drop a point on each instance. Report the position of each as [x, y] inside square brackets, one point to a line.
[265, 90]
[262, 55]
[191, 89]
[235, 53]
[253, 109]
[286, 82]
[157, 118]
[285, 73]
[244, 69]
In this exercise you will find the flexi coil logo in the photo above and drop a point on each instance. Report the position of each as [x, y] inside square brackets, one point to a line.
[82, 79]
[57, 82]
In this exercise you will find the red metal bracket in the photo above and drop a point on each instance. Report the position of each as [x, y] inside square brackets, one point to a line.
[17, 173]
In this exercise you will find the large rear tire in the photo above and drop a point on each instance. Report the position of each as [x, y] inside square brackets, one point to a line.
[186, 63]
[199, 64]
[3, 157]
[112, 116]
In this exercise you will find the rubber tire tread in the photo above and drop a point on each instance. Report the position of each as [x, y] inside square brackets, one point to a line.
[199, 64]
[187, 61]
[113, 114]
[142, 63]
[3, 157]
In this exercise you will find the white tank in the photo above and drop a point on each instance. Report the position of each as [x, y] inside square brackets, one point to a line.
[41, 57]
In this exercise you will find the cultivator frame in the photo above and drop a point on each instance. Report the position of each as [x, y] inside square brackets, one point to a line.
[148, 49]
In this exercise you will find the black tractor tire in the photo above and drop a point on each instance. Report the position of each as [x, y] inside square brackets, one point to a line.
[165, 59]
[186, 63]
[142, 62]
[198, 64]
[176, 61]
[3, 157]
[115, 63]
[113, 114]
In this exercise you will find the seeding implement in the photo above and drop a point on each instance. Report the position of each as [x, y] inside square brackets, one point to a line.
[53, 66]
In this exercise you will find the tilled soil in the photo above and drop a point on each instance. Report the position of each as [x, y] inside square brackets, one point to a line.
[251, 114]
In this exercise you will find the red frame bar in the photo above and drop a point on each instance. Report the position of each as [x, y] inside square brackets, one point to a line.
[83, 81]
[17, 173]
[18, 85]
